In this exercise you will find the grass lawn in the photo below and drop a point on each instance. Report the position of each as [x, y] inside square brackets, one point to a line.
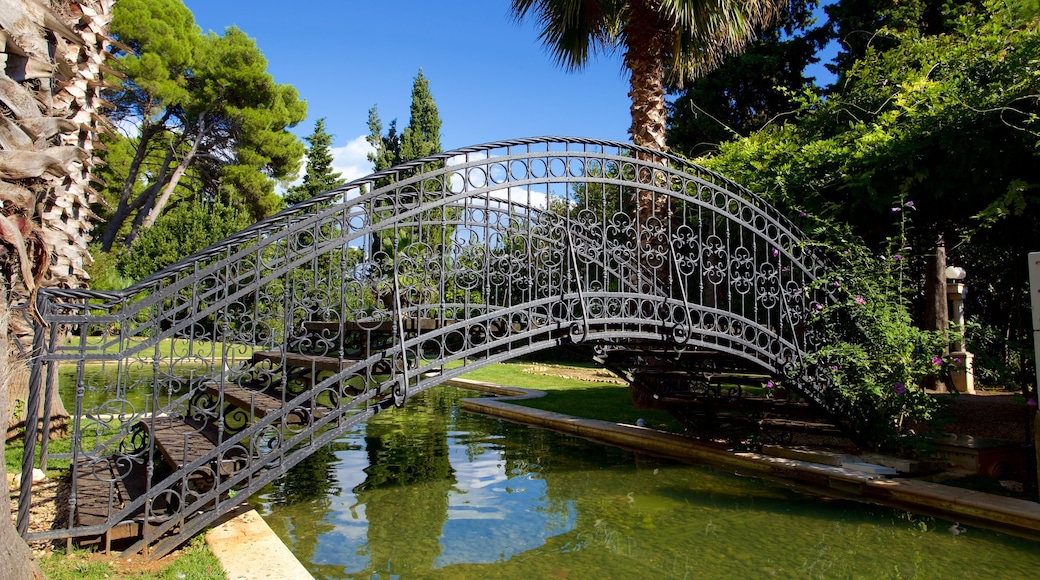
[591, 399]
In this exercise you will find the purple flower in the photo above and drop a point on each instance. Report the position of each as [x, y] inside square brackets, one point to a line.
[819, 306]
[1031, 402]
[957, 360]
[899, 388]
[897, 257]
[937, 361]
[861, 300]
[776, 252]
[834, 367]
[837, 284]
[896, 209]
[770, 385]
[910, 203]
[908, 248]
[802, 214]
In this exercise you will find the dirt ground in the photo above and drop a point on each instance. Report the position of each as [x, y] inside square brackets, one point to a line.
[49, 510]
[995, 414]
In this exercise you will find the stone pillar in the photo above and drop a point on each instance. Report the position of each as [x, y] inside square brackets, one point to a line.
[963, 373]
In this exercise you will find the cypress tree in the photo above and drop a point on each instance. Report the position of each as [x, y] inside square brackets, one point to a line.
[319, 176]
[422, 137]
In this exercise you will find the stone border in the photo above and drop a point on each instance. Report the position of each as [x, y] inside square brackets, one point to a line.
[248, 549]
[1003, 514]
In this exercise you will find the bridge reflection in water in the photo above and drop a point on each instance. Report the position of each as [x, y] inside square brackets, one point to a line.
[507, 501]
[201, 384]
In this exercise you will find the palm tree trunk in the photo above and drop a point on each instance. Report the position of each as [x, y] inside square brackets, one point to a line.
[52, 56]
[15, 557]
[645, 47]
[647, 41]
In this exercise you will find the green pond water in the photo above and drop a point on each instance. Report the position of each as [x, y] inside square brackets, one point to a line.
[431, 491]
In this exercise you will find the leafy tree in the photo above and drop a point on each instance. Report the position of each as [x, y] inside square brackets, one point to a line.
[187, 228]
[943, 126]
[682, 39]
[750, 89]
[204, 107]
[319, 176]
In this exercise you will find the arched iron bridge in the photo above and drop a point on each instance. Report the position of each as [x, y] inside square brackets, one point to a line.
[199, 385]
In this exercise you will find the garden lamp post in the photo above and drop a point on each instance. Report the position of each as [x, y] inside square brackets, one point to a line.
[963, 372]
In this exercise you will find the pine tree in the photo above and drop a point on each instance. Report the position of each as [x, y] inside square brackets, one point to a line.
[319, 176]
[422, 137]
[387, 148]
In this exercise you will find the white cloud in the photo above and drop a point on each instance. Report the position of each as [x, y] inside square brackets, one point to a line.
[351, 160]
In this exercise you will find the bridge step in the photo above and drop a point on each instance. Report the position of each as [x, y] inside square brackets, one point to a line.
[749, 379]
[305, 361]
[411, 325]
[104, 488]
[259, 402]
[182, 441]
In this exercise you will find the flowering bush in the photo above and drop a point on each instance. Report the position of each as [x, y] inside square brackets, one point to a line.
[874, 357]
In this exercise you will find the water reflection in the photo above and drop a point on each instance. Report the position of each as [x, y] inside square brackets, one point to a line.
[432, 491]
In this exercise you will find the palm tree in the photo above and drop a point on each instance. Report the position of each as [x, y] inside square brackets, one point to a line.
[681, 38]
[53, 55]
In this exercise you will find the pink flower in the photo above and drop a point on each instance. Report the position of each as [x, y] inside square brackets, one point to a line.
[770, 385]
[910, 203]
[861, 300]
[896, 209]
[899, 388]
[776, 252]
[937, 361]
[819, 307]
[837, 284]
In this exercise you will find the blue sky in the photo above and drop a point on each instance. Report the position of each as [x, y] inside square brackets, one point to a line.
[490, 77]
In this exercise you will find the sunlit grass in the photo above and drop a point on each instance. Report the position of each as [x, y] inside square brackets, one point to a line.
[194, 562]
[604, 401]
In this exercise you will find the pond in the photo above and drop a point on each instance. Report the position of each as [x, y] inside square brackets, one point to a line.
[432, 491]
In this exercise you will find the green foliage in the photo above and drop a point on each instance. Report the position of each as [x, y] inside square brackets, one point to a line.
[876, 357]
[319, 176]
[187, 229]
[945, 116]
[195, 561]
[104, 271]
[210, 122]
[387, 148]
[422, 136]
[750, 89]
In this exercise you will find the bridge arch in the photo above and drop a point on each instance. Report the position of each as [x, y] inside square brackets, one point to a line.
[278, 339]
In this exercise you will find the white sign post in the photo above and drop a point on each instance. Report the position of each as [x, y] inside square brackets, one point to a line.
[1034, 300]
